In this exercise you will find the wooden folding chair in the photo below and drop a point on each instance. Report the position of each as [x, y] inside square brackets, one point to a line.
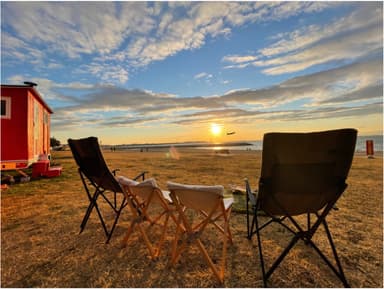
[302, 174]
[150, 206]
[96, 176]
[207, 206]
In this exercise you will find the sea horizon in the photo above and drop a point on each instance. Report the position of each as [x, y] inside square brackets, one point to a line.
[233, 145]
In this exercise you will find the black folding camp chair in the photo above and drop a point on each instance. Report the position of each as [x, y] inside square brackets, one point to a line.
[302, 174]
[96, 176]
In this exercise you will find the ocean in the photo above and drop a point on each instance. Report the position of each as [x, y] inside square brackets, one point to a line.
[258, 145]
[244, 145]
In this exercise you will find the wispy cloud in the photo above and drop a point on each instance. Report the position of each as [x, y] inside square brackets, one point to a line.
[352, 37]
[239, 59]
[106, 73]
[319, 86]
[203, 75]
[327, 69]
[126, 34]
[100, 105]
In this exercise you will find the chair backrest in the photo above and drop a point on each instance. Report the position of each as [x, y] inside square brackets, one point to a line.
[91, 163]
[304, 171]
[145, 190]
[197, 197]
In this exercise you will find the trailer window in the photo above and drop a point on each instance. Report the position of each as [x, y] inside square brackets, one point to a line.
[5, 107]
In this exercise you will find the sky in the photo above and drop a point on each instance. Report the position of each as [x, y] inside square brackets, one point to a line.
[155, 72]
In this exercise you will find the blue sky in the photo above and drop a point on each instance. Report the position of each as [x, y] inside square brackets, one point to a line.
[136, 72]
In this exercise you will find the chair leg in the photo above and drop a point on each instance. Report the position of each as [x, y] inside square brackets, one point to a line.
[209, 261]
[252, 230]
[146, 241]
[128, 234]
[247, 210]
[282, 256]
[339, 273]
[86, 217]
[175, 241]
[118, 212]
[307, 240]
[93, 204]
[224, 255]
[255, 220]
[138, 222]
[162, 238]
[226, 231]
[177, 251]
[267, 274]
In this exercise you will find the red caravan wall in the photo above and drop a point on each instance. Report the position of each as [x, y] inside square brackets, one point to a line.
[26, 134]
[14, 131]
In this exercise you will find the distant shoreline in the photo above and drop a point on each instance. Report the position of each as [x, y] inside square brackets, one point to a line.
[234, 145]
[176, 145]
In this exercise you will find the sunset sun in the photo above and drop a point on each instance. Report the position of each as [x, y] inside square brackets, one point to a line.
[215, 129]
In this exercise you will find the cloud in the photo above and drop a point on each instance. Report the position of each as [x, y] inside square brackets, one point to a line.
[327, 112]
[249, 116]
[107, 73]
[365, 93]
[73, 28]
[354, 36]
[216, 115]
[116, 38]
[317, 86]
[239, 59]
[365, 16]
[350, 90]
[203, 75]
[120, 36]
[351, 46]
[15, 48]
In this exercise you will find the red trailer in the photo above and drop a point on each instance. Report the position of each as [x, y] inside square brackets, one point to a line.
[25, 126]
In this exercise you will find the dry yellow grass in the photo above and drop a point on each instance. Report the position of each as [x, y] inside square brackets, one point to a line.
[41, 246]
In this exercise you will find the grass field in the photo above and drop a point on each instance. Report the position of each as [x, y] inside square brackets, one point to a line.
[41, 245]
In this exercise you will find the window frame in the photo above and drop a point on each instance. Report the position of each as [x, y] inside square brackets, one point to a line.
[8, 106]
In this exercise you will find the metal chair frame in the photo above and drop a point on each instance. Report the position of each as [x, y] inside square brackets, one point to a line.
[98, 183]
[300, 233]
[100, 191]
[255, 209]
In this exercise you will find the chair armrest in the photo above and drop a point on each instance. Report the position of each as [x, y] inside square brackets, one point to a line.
[142, 175]
[251, 196]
